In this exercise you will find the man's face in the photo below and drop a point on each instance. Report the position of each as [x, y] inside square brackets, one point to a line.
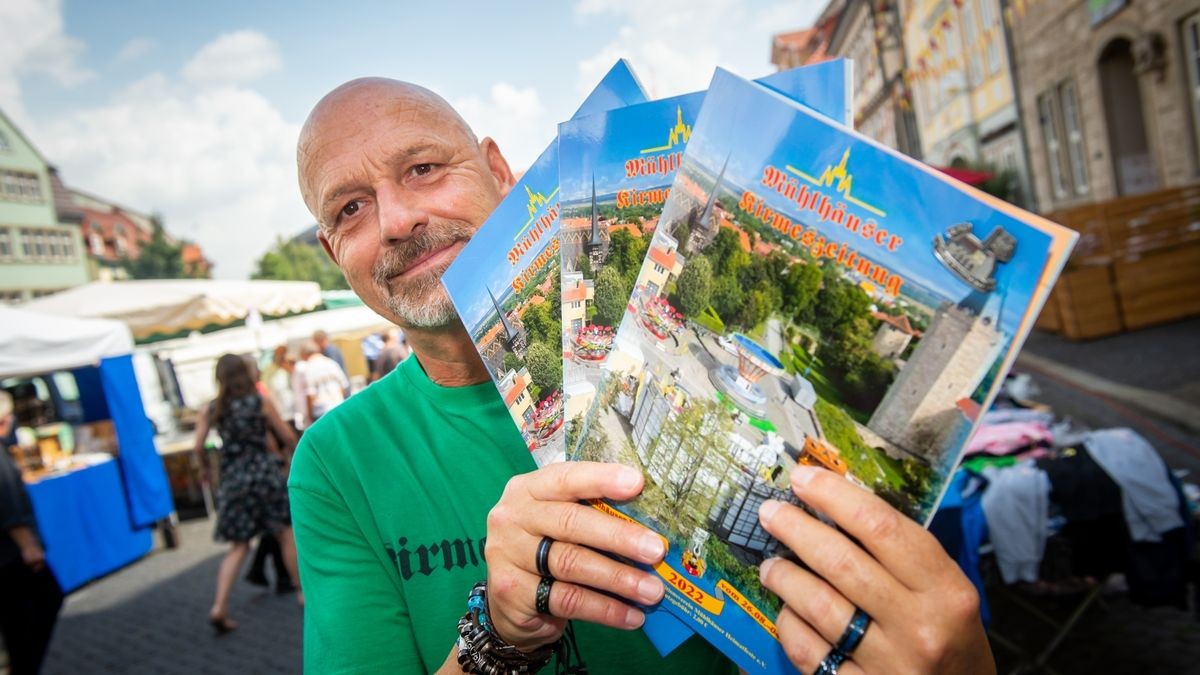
[398, 185]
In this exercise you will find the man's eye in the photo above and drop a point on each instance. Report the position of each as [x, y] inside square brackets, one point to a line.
[422, 169]
[350, 209]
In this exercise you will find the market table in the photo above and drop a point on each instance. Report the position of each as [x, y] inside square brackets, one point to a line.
[85, 524]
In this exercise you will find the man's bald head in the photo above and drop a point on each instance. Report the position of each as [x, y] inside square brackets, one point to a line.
[368, 96]
[398, 184]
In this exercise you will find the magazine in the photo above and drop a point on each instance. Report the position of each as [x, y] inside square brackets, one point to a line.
[504, 285]
[615, 172]
[808, 297]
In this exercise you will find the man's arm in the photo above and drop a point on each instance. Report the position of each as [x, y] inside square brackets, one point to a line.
[356, 620]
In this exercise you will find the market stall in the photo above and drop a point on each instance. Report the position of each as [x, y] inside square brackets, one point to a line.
[95, 480]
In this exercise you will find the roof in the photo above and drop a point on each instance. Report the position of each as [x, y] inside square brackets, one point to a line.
[519, 385]
[628, 227]
[40, 343]
[576, 293]
[900, 323]
[68, 211]
[667, 259]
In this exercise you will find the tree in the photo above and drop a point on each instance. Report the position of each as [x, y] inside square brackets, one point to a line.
[159, 258]
[839, 303]
[612, 295]
[511, 362]
[538, 324]
[800, 287]
[695, 286]
[545, 367]
[626, 252]
[297, 261]
[726, 298]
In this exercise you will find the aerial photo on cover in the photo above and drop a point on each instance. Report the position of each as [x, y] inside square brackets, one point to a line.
[807, 297]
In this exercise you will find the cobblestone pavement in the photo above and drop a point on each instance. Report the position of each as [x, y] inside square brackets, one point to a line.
[151, 618]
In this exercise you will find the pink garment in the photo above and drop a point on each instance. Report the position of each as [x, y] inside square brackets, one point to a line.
[1005, 439]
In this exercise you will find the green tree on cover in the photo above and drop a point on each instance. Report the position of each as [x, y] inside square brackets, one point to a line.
[612, 296]
[800, 287]
[539, 325]
[545, 367]
[727, 298]
[695, 286]
[511, 362]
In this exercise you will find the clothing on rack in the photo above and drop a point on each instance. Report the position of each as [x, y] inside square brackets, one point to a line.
[1009, 438]
[1149, 500]
[1015, 505]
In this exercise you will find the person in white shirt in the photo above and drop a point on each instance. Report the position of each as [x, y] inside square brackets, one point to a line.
[319, 383]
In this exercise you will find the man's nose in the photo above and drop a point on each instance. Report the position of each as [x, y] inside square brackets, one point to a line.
[400, 214]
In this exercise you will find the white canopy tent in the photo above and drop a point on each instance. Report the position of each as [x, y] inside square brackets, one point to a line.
[172, 305]
[31, 342]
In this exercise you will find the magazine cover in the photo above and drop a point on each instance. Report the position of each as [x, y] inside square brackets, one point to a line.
[505, 287]
[808, 297]
[615, 172]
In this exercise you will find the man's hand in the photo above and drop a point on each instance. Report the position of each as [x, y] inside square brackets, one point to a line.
[924, 611]
[545, 503]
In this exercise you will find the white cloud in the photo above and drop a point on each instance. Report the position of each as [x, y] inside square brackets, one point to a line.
[514, 118]
[32, 41]
[674, 45]
[218, 163]
[135, 49]
[240, 56]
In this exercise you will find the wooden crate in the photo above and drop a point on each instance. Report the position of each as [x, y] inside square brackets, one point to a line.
[1050, 319]
[1088, 306]
[1159, 286]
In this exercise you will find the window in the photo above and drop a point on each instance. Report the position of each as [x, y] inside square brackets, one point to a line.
[1062, 132]
[5, 146]
[1191, 51]
[11, 296]
[38, 245]
[96, 243]
[6, 244]
[1075, 151]
[20, 186]
[1046, 119]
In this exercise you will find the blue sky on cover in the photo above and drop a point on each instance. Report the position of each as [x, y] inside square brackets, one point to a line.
[760, 127]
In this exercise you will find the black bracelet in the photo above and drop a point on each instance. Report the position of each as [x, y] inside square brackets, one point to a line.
[481, 650]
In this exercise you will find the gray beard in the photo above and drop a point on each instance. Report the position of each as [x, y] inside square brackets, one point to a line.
[421, 302]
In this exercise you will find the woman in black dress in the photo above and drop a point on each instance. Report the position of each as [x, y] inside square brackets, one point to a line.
[252, 497]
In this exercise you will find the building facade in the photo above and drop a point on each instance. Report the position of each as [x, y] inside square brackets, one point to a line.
[41, 251]
[1114, 109]
[870, 34]
[963, 87]
[111, 233]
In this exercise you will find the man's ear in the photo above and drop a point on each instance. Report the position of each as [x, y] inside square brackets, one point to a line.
[497, 165]
[325, 245]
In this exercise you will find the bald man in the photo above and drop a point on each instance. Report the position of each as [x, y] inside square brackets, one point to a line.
[414, 489]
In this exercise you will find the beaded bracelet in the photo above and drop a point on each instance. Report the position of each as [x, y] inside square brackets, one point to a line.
[481, 650]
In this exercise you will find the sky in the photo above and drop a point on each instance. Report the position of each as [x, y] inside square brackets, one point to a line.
[192, 109]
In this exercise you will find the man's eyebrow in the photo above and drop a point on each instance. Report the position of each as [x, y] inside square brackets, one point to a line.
[397, 157]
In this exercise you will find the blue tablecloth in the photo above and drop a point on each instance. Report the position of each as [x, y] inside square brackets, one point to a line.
[85, 525]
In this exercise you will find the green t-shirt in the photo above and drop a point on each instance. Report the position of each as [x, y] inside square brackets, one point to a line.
[390, 493]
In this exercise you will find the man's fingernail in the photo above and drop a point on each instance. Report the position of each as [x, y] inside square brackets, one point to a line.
[768, 509]
[650, 590]
[803, 475]
[764, 568]
[634, 618]
[651, 546]
[628, 478]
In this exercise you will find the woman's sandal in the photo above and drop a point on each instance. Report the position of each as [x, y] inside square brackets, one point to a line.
[222, 624]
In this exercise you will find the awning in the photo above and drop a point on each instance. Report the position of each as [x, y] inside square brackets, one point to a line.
[166, 307]
[31, 342]
[968, 176]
